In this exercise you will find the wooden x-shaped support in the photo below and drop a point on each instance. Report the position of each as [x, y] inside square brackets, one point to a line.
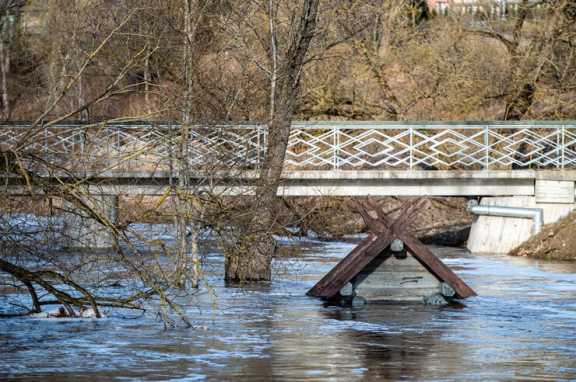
[382, 231]
[382, 224]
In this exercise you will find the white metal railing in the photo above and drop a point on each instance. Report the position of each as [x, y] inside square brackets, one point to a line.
[433, 146]
[312, 146]
[485, 8]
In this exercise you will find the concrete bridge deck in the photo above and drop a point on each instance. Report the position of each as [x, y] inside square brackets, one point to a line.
[544, 184]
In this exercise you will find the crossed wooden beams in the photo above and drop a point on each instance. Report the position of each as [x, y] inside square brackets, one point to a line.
[382, 232]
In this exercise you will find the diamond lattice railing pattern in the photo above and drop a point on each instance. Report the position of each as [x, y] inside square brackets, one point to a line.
[312, 146]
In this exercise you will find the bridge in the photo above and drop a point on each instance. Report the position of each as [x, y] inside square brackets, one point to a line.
[323, 158]
[530, 165]
[501, 9]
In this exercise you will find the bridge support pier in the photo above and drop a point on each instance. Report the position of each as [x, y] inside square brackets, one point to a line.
[494, 234]
[85, 232]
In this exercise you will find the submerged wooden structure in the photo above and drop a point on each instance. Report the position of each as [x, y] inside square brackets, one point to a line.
[390, 264]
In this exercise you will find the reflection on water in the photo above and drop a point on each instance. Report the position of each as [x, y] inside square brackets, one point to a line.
[521, 327]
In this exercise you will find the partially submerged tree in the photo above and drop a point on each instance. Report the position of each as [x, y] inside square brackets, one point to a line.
[250, 259]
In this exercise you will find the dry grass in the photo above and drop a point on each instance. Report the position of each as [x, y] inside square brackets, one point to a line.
[557, 241]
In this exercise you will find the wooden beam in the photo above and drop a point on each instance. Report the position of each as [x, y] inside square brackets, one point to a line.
[320, 287]
[383, 232]
[374, 225]
[402, 224]
[350, 266]
[422, 253]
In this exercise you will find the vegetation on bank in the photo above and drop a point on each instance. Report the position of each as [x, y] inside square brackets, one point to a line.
[556, 241]
[368, 60]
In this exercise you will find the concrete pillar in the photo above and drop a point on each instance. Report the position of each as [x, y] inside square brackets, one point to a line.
[82, 231]
[491, 234]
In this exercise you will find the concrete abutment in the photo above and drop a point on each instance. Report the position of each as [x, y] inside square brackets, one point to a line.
[495, 234]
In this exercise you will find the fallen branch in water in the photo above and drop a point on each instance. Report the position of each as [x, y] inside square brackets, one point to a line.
[48, 280]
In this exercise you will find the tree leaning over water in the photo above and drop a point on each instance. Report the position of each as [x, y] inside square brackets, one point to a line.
[250, 259]
[44, 255]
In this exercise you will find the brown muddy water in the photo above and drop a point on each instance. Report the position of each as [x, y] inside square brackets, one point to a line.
[521, 327]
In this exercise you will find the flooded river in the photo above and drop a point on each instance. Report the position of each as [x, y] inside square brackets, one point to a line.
[522, 327]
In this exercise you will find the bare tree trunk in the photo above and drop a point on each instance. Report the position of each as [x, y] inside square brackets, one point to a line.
[4, 68]
[147, 81]
[526, 75]
[6, 36]
[272, 11]
[188, 249]
[519, 103]
[84, 114]
[251, 261]
[420, 11]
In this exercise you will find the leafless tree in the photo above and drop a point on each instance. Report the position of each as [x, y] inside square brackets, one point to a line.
[250, 259]
[9, 12]
[43, 269]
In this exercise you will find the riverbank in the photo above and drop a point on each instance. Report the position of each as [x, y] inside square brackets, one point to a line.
[556, 241]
